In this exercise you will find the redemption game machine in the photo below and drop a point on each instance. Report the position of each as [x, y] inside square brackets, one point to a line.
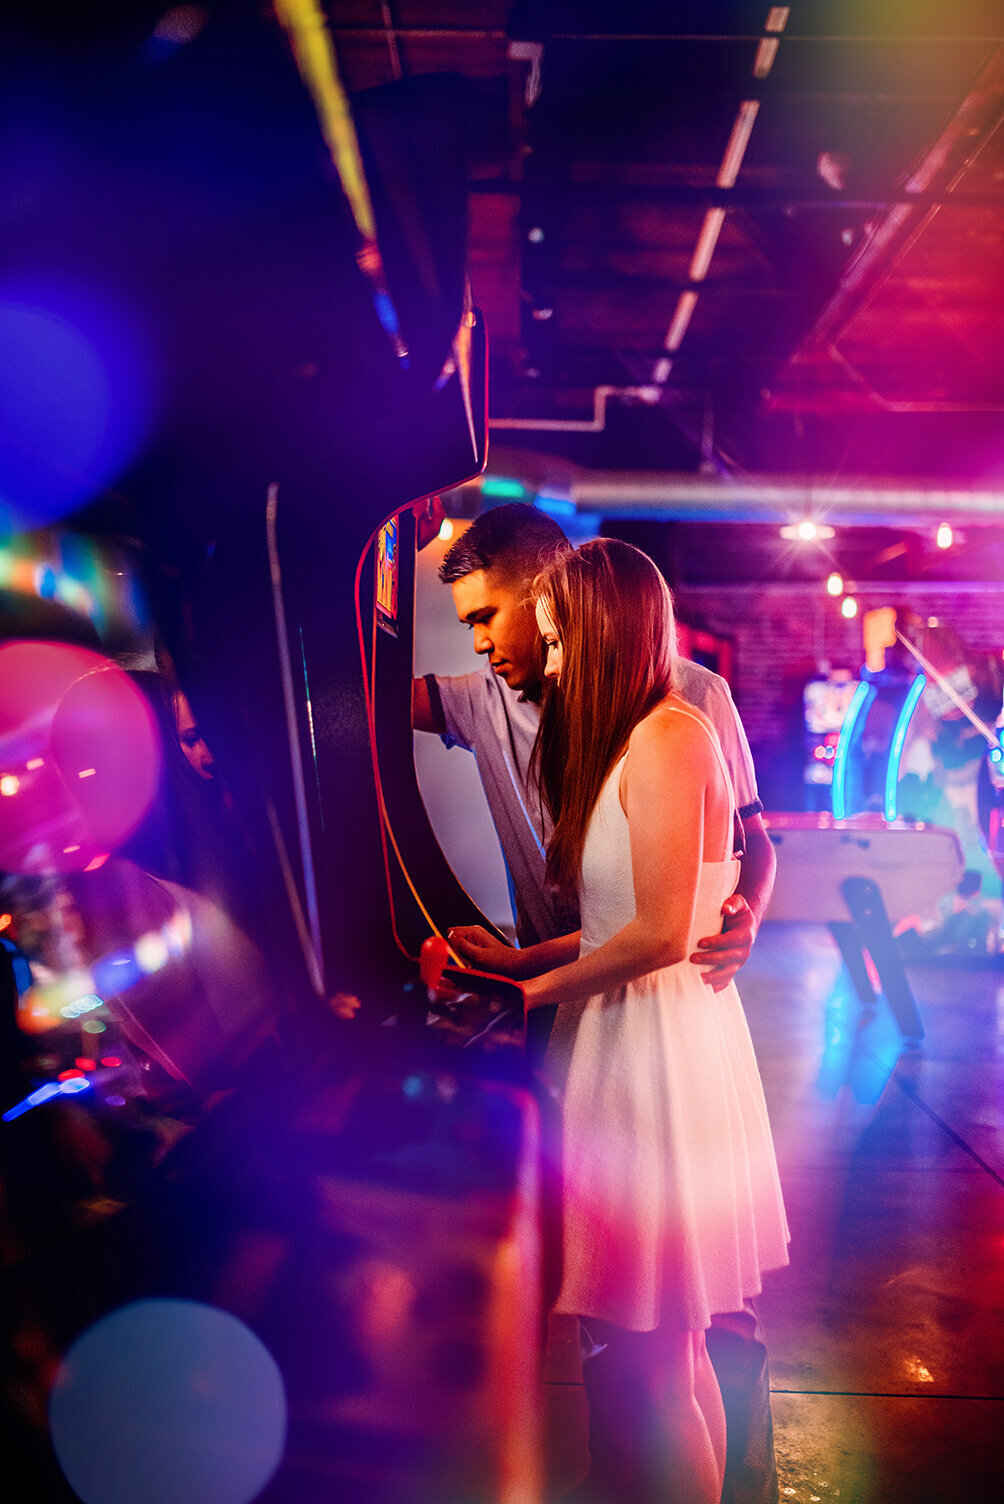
[887, 853]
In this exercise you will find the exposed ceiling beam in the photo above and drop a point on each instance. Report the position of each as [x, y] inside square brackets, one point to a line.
[977, 118]
[495, 34]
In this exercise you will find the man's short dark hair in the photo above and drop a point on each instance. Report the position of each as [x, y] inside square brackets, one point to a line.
[515, 539]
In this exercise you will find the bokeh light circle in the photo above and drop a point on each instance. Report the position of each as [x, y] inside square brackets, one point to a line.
[168, 1402]
[75, 398]
[78, 753]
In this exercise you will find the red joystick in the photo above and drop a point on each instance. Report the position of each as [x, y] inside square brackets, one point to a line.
[434, 955]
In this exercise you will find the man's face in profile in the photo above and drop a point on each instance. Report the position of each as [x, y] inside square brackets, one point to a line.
[499, 611]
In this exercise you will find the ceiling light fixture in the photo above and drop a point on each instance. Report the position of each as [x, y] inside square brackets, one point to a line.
[944, 536]
[765, 54]
[737, 144]
[706, 242]
[848, 607]
[777, 20]
[686, 303]
[807, 531]
[835, 584]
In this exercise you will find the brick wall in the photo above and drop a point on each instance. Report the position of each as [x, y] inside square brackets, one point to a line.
[781, 632]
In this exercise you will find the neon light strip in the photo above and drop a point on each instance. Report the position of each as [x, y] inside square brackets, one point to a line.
[386, 830]
[896, 748]
[45, 1094]
[308, 33]
[305, 25]
[863, 696]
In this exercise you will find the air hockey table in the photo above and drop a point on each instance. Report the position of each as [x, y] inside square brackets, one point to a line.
[860, 876]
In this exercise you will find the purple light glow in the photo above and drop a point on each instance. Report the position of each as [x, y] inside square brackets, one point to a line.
[65, 711]
[74, 401]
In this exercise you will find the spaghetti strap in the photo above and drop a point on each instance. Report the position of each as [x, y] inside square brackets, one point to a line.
[716, 744]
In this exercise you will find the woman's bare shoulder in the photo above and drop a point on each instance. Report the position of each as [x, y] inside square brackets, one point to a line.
[673, 726]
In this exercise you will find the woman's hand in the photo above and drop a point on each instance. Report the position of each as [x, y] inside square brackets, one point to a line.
[482, 951]
[474, 944]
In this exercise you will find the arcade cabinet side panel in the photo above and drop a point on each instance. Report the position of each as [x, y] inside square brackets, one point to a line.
[425, 893]
[329, 516]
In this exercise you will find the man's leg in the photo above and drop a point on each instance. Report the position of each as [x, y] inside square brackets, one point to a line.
[616, 1410]
[739, 1356]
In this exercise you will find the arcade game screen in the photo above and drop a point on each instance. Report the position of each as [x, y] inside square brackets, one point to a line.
[386, 577]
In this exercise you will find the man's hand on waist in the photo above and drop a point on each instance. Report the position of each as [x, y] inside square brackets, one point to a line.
[721, 956]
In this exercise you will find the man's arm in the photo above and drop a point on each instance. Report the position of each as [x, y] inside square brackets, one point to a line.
[426, 713]
[720, 956]
[756, 882]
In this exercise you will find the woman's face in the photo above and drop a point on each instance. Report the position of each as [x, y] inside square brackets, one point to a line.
[192, 741]
[549, 632]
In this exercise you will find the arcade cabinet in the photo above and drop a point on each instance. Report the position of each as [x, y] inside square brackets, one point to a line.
[363, 1199]
[826, 700]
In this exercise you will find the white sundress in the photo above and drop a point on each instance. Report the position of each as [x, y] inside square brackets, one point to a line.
[672, 1204]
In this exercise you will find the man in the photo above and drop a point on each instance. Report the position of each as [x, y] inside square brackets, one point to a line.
[494, 714]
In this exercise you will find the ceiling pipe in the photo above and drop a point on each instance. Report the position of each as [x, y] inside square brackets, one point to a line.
[648, 395]
[753, 196]
[782, 499]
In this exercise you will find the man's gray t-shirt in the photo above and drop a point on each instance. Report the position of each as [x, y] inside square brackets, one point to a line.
[482, 714]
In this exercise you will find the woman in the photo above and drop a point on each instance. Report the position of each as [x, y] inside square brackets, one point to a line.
[672, 1207]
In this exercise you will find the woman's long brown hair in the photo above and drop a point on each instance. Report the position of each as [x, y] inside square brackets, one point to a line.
[614, 614]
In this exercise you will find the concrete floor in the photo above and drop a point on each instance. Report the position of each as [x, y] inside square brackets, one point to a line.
[886, 1334]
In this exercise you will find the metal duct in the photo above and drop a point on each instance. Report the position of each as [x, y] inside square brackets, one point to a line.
[781, 499]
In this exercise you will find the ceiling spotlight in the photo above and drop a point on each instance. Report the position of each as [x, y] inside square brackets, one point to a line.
[835, 584]
[848, 607]
[943, 537]
[807, 531]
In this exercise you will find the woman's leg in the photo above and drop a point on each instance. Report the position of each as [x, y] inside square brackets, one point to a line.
[687, 1455]
[709, 1398]
[656, 1423]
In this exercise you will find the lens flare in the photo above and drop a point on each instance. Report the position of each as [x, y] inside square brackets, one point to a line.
[165, 1400]
[79, 742]
[75, 398]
